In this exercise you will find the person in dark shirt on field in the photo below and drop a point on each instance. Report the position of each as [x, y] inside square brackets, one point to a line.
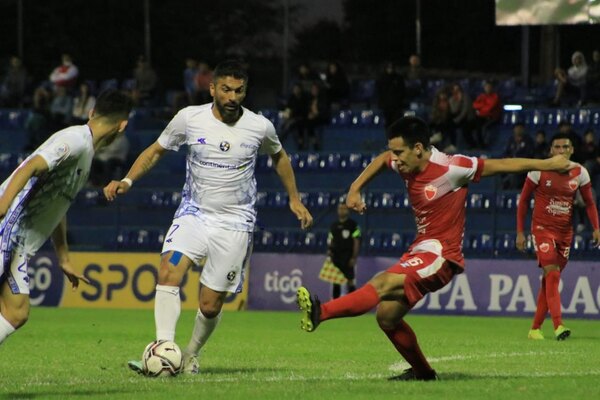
[343, 247]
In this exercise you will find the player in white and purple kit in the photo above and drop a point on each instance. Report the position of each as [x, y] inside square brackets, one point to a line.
[215, 220]
[37, 195]
[437, 187]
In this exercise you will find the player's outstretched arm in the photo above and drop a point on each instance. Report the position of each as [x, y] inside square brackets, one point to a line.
[354, 199]
[522, 207]
[283, 167]
[35, 166]
[516, 165]
[59, 240]
[144, 163]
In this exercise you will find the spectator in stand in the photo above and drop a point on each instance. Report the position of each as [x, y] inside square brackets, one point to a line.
[66, 74]
[488, 111]
[541, 148]
[573, 82]
[589, 149]
[593, 77]
[61, 108]
[519, 145]
[203, 78]
[305, 77]
[294, 115]
[338, 87]
[462, 113]
[83, 104]
[189, 76]
[12, 89]
[318, 115]
[38, 123]
[390, 93]
[440, 122]
[415, 70]
[146, 82]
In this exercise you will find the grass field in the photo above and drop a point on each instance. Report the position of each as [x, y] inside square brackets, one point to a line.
[71, 353]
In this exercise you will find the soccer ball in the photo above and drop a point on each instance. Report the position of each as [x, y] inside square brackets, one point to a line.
[162, 358]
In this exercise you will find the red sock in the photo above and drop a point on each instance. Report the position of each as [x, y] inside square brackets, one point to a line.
[542, 307]
[356, 303]
[405, 341]
[553, 297]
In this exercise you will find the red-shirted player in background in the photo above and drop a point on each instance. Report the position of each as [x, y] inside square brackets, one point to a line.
[437, 187]
[552, 228]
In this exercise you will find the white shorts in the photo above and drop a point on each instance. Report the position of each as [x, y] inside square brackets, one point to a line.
[13, 269]
[226, 252]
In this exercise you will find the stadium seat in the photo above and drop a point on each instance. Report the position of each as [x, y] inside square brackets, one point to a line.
[392, 243]
[373, 243]
[481, 242]
[312, 161]
[506, 242]
[277, 199]
[342, 118]
[351, 162]
[330, 162]
[478, 200]
[108, 84]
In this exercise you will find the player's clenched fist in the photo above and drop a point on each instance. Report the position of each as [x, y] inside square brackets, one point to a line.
[114, 188]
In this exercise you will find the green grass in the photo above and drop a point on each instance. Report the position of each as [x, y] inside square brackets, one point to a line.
[72, 353]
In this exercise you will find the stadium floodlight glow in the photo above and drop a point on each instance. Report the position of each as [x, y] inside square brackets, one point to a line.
[513, 107]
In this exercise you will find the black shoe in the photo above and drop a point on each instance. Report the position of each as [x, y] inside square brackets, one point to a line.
[409, 375]
[311, 309]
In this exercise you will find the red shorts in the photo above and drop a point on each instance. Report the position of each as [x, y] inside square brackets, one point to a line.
[551, 250]
[425, 273]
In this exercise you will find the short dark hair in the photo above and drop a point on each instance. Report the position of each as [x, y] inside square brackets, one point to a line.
[562, 135]
[113, 104]
[413, 130]
[234, 68]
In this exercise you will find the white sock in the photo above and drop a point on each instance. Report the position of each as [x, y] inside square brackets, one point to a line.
[203, 328]
[167, 307]
[5, 329]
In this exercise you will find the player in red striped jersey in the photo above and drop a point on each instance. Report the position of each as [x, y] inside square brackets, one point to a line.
[437, 188]
[552, 228]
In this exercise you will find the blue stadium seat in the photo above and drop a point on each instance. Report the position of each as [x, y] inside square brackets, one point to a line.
[312, 161]
[481, 242]
[261, 199]
[342, 118]
[108, 84]
[277, 199]
[351, 162]
[507, 89]
[128, 84]
[392, 243]
[478, 200]
[373, 243]
[506, 242]
[330, 162]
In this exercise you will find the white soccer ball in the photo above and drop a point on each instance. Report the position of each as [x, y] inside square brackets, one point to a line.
[162, 358]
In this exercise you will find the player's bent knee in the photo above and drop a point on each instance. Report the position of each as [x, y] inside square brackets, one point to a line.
[17, 317]
[210, 312]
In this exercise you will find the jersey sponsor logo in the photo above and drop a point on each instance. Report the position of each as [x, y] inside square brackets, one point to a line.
[430, 192]
[224, 145]
[558, 207]
[249, 146]
[62, 151]
[544, 247]
[573, 184]
[231, 276]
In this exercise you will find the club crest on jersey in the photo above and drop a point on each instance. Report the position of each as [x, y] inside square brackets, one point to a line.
[573, 184]
[430, 192]
[62, 151]
[544, 247]
[224, 145]
[548, 183]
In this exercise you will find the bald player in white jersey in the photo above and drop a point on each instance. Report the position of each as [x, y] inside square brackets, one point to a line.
[37, 195]
[215, 220]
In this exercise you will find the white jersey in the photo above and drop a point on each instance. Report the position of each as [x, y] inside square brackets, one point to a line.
[43, 202]
[220, 186]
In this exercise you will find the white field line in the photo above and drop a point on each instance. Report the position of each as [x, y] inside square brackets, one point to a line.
[400, 366]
